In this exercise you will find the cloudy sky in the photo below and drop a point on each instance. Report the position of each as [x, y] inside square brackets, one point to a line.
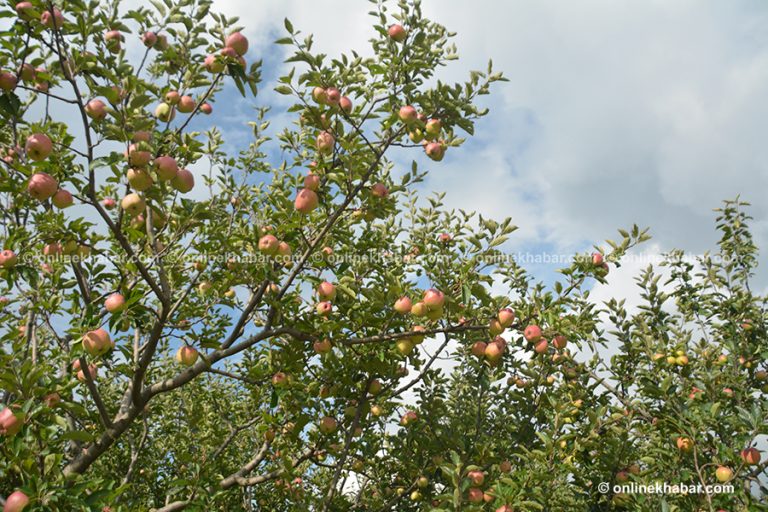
[616, 113]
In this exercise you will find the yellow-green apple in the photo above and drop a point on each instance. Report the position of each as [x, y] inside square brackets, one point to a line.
[139, 179]
[38, 147]
[723, 473]
[328, 425]
[213, 64]
[495, 328]
[187, 355]
[164, 112]
[417, 338]
[684, 444]
[133, 204]
[419, 309]
[494, 352]
[323, 346]
[319, 95]
[404, 346]
[432, 128]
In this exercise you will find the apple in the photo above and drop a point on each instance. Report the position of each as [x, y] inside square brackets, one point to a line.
[279, 379]
[409, 418]
[184, 181]
[312, 181]
[597, 259]
[97, 342]
[417, 338]
[52, 20]
[434, 298]
[324, 308]
[27, 72]
[435, 151]
[476, 477]
[433, 128]
[186, 355]
[375, 387]
[25, 10]
[42, 186]
[306, 200]
[379, 190]
[115, 303]
[495, 328]
[186, 104]
[139, 179]
[8, 81]
[419, 309]
[162, 42]
[723, 473]
[108, 203]
[141, 136]
[62, 199]
[397, 33]
[494, 351]
[761, 375]
[172, 97]
[416, 135]
[284, 251]
[322, 347]
[268, 245]
[532, 333]
[403, 305]
[479, 348]
[204, 287]
[52, 250]
[165, 113]
[137, 156]
[166, 168]
[325, 142]
[560, 342]
[475, 495]
[332, 96]
[504, 508]
[133, 204]
[681, 360]
[10, 422]
[541, 346]
[237, 42]
[213, 64]
[38, 147]
[326, 291]
[345, 104]
[404, 346]
[684, 444]
[328, 425]
[319, 95]
[505, 466]
[408, 114]
[206, 108]
[506, 316]
[149, 39]
[16, 502]
[750, 456]
[112, 39]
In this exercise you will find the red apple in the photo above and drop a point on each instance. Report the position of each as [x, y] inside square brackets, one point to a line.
[279, 379]
[186, 104]
[479, 348]
[322, 347]
[206, 109]
[326, 291]
[137, 156]
[213, 64]
[345, 104]
[112, 39]
[10, 422]
[541, 346]
[52, 250]
[141, 136]
[324, 308]
[115, 303]
[42, 186]
[166, 168]
[237, 42]
[494, 351]
[16, 502]
[559, 342]
[409, 418]
[25, 10]
[186, 355]
[55, 20]
[7, 258]
[476, 477]
[97, 342]
[319, 95]
[379, 190]
[268, 245]
[435, 151]
[434, 298]
[397, 33]
[184, 181]
[109, 203]
[325, 142]
[597, 259]
[62, 199]
[38, 147]
[532, 333]
[306, 200]
[475, 495]
[506, 316]
[8, 81]
[403, 305]
[332, 96]
[92, 370]
[312, 182]
[149, 39]
[408, 114]
[750, 456]
[684, 444]
[505, 466]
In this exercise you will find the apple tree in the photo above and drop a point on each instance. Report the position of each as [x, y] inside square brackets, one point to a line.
[187, 327]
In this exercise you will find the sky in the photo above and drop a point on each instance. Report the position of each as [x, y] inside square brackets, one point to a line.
[616, 113]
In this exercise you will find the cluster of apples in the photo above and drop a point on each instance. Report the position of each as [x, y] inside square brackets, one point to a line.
[749, 456]
[307, 199]
[424, 131]
[431, 305]
[269, 245]
[326, 293]
[533, 335]
[27, 73]
[42, 186]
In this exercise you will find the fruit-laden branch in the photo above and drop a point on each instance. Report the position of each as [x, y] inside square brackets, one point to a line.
[425, 332]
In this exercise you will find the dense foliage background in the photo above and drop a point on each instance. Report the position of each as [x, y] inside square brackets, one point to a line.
[183, 328]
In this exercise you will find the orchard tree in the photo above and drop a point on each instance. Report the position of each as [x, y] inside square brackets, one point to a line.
[187, 329]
